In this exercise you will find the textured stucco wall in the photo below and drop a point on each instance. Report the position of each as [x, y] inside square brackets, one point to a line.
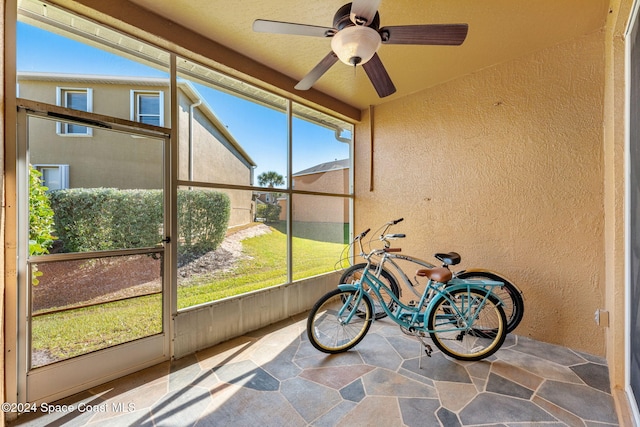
[504, 166]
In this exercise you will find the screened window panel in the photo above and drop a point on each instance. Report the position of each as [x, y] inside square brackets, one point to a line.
[216, 263]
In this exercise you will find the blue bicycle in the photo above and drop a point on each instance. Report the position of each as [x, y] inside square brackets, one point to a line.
[463, 318]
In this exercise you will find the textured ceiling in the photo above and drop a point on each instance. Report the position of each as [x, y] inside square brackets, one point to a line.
[499, 30]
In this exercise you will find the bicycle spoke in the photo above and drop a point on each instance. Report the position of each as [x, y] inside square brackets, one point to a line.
[467, 325]
[339, 321]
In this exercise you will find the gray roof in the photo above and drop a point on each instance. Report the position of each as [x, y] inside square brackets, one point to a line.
[325, 167]
[92, 78]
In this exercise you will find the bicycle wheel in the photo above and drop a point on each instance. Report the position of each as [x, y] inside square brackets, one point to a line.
[509, 294]
[332, 325]
[354, 273]
[464, 327]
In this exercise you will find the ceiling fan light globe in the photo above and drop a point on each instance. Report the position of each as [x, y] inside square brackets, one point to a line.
[356, 42]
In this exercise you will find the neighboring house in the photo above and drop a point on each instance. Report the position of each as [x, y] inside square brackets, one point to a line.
[92, 158]
[267, 197]
[329, 177]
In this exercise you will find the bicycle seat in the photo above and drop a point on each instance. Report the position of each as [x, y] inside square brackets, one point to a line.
[451, 258]
[439, 274]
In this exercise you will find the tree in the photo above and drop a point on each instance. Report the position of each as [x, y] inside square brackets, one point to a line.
[270, 179]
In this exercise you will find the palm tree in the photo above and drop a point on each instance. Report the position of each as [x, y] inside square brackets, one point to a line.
[270, 179]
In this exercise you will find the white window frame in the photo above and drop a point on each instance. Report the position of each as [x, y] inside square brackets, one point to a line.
[135, 113]
[63, 175]
[62, 129]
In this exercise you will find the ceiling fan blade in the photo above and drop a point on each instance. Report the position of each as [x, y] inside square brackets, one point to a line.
[277, 27]
[379, 76]
[364, 10]
[317, 72]
[434, 34]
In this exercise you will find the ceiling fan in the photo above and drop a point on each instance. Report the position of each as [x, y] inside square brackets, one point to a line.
[356, 37]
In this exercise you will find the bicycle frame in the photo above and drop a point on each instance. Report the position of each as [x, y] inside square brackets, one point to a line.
[413, 317]
[387, 257]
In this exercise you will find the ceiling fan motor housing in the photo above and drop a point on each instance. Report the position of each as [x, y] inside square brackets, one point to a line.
[342, 19]
[354, 43]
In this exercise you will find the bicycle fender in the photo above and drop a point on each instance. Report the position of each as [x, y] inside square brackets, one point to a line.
[501, 276]
[349, 287]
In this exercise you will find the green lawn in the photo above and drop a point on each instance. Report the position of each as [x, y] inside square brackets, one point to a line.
[266, 267]
[70, 333]
[74, 332]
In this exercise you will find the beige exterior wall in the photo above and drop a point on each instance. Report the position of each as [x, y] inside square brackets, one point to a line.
[333, 181]
[109, 159]
[504, 166]
[214, 160]
[105, 159]
[109, 99]
[321, 209]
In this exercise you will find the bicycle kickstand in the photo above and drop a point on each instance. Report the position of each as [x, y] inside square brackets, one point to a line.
[418, 335]
[427, 349]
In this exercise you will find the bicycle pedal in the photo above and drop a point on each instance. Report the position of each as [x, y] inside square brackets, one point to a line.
[428, 349]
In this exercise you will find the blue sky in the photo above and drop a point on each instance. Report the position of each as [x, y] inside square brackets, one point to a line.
[260, 131]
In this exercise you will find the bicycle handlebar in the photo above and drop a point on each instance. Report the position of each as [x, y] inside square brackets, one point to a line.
[395, 236]
[364, 233]
[383, 237]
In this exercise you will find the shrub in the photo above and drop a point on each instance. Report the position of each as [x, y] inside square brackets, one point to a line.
[41, 225]
[106, 219]
[203, 217]
[271, 213]
[88, 219]
[41, 222]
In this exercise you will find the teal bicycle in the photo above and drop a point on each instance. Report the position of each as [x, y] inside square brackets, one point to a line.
[463, 318]
[388, 268]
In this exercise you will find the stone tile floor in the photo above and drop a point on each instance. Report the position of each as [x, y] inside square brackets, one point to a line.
[274, 377]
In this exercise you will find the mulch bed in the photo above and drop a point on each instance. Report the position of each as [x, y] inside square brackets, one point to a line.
[69, 283]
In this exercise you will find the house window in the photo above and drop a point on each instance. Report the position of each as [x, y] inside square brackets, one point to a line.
[54, 177]
[76, 99]
[146, 107]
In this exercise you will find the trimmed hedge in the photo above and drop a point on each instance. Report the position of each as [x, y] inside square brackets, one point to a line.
[107, 218]
[203, 218]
